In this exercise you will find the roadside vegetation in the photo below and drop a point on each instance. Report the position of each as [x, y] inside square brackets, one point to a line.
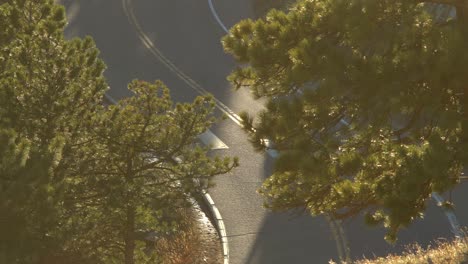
[81, 182]
[441, 253]
[367, 105]
[364, 104]
[193, 244]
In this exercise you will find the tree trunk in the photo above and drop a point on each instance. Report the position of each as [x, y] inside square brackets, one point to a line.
[130, 237]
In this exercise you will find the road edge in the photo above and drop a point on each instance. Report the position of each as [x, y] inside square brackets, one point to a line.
[216, 17]
[219, 223]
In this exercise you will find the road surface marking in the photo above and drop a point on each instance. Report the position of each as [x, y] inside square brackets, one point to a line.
[220, 225]
[128, 10]
[273, 153]
[342, 245]
[344, 122]
[211, 140]
[450, 215]
[213, 11]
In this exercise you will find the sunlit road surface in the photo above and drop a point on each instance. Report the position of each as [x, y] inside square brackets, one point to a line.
[187, 34]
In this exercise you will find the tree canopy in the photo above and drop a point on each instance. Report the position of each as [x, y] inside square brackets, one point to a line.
[81, 182]
[367, 104]
[49, 87]
[143, 164]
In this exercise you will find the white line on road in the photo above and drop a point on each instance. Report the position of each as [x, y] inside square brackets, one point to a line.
[450, 215]
[273, 153]
[220, 225]
[213, 11]
[211, 140]
[344, 122]
[110, 99]
[128, 10]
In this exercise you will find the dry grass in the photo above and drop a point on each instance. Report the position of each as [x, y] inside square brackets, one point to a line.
[192, 244]
[441, 253]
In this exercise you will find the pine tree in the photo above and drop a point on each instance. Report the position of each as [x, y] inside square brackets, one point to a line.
[49, 88]
[367, 104]
[79, 182]
[145, 163]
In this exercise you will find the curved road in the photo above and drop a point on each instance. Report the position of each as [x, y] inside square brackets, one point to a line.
[187, 34]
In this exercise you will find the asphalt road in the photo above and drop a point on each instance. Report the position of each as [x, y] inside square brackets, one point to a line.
[188, 35]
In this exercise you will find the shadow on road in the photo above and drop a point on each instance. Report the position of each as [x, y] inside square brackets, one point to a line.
[306, 239]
